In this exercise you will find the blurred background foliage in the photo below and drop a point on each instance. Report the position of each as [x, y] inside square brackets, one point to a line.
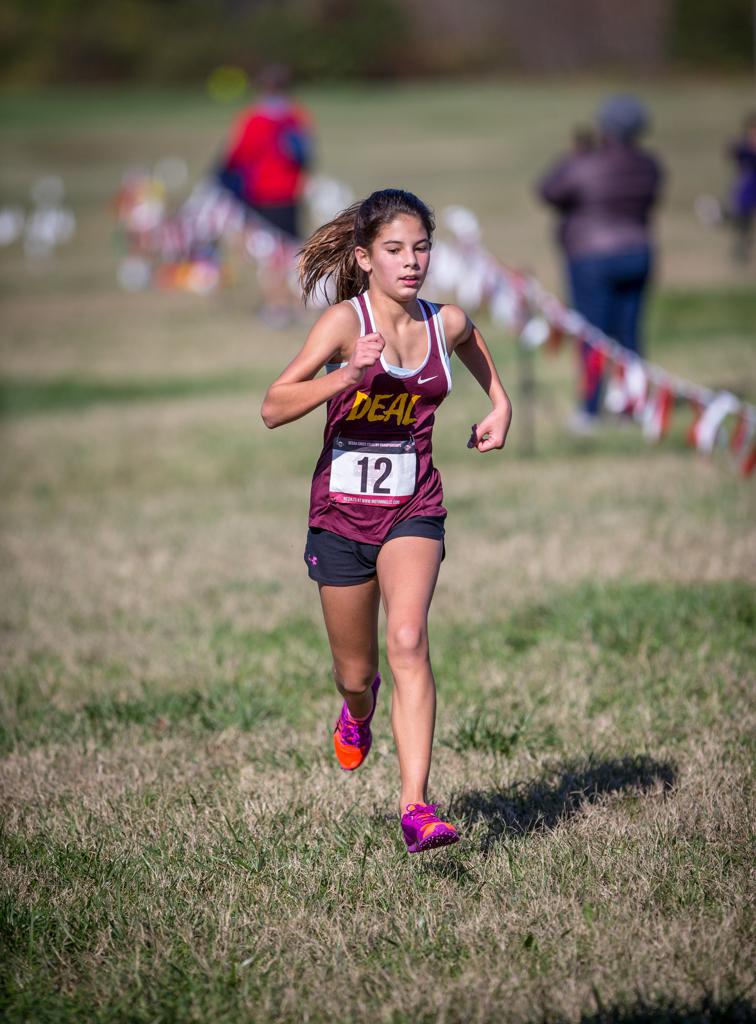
[174, 41]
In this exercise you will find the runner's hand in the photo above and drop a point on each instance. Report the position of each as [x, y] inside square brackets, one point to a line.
[491, 432]
[366, 353]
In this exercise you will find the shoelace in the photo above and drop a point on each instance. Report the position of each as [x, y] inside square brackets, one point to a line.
[422, 817]
[350, 729]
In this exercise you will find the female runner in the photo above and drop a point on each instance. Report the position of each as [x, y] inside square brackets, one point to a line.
[376, 514]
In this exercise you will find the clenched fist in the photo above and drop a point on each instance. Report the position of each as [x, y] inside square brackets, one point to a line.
[366, 353]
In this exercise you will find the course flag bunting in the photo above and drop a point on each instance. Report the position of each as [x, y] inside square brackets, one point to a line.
[636, 387]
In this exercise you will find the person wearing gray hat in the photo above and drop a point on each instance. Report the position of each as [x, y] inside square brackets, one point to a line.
[604, 197]
[622, 117]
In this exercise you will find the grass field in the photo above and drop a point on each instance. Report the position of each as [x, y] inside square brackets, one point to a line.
[177, 843]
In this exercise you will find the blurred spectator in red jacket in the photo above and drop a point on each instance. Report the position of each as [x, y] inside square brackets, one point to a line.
[266, 166]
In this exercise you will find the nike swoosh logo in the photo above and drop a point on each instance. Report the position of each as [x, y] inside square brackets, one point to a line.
[424, 380]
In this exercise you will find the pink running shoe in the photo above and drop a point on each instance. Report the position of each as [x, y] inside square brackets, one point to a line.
[352, 740]
[424, 831]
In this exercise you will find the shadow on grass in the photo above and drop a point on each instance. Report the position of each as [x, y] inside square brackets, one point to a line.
[450, 869]
[540, 805]
[709, 1010]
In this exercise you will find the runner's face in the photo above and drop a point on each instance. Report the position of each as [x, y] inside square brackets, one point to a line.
[398, 258]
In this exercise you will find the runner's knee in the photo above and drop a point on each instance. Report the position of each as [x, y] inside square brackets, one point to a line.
[407, 642]
[354, 678]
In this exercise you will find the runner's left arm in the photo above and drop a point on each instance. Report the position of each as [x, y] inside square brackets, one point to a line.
[465, 339]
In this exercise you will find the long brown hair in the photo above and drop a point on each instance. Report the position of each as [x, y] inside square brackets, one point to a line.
[329, 252]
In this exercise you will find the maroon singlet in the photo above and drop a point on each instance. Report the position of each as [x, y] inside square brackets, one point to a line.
[376, 469]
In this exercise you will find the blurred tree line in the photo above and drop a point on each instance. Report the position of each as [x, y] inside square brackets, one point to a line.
[80, 41]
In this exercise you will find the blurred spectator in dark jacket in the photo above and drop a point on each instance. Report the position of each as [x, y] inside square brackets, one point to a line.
[743, 194]
[604, 197]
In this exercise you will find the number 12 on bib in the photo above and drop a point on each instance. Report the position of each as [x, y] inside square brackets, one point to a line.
[373, 472]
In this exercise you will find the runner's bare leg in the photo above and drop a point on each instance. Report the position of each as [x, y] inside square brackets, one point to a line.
[407, 573]
[351, 619]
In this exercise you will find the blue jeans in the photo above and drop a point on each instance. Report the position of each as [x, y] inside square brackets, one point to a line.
[608, 291]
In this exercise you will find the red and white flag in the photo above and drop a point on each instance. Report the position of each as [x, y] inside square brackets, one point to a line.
[657, 413]
[615, 397]
[744, 444]
[739, 435]
[706, 428]
[627, 390]
[636, 380]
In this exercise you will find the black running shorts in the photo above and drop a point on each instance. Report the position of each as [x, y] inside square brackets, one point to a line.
[339, 562]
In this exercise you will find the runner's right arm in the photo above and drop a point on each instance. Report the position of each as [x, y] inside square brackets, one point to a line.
[297, 390]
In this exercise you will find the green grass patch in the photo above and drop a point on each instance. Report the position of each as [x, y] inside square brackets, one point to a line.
[26, 396]
[151, 714]
[694, 317]
[637, 644]
[674, 654]
[486, 730]
[247, 690]
[616, 621]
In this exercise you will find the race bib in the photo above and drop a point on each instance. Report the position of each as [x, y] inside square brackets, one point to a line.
[373, 472]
